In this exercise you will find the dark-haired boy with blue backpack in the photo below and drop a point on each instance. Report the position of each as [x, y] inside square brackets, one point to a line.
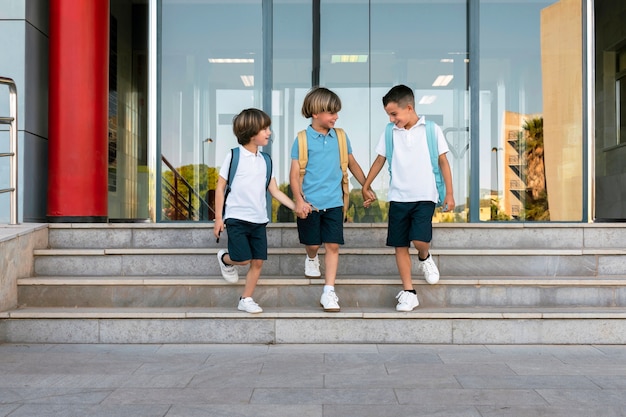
[420, 179]
[241, 204]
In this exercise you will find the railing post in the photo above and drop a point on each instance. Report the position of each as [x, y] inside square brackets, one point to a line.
[12, 154]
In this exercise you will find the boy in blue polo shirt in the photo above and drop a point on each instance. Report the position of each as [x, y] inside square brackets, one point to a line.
[246, 206]
[412, 190]
[319, 198]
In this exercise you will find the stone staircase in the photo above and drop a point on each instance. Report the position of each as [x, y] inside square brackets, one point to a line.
[160, 283]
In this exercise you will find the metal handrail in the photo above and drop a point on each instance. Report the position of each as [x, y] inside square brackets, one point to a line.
[12, 154]
[178, 199]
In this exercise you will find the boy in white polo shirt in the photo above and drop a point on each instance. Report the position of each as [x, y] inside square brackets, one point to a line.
[412, 190]
[245, 215]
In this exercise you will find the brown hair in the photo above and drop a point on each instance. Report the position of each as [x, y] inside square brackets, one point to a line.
[248, 123]
[400, 94]
[320, 100]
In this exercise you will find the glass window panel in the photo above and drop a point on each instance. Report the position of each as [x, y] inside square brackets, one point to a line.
[211, 68]
[427, 39]
[292, 69]
[345, 69]
[531, 137]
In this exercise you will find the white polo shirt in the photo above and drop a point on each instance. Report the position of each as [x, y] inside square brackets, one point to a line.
[247, 198]
[412, 177]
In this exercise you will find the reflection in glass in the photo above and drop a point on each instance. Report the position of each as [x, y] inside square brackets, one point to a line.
[211, 69]
[531, 110]
[528, 135]
[425, 47]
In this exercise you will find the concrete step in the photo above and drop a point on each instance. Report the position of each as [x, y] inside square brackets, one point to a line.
[160, 283]
[501, 325]
[353, 261]
[295, 291]
[514, 236]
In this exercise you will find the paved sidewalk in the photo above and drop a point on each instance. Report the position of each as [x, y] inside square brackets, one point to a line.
[312, 380]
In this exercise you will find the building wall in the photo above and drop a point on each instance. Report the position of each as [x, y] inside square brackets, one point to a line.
[610, 169]
[563, 107]
[24, 58]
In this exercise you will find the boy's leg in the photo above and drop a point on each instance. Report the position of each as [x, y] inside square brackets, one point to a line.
[398, 227]
[309, 235]
[331, 231]
[421, 234]
[331, 262]
[311, 250]
[257, 240]
[238, 252]
[252, 277]
[398, 237]
[423, 248]
[403, 261]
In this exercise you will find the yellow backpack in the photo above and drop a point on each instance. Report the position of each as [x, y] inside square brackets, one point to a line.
[343, 158]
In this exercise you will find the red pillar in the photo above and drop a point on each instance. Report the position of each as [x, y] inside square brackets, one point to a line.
[78, 111]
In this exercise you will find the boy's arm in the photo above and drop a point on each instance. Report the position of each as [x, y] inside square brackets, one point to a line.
[280, 196]
[302, 208]
[355, 169]
[444, 166]
[220, 189]
[368, 194]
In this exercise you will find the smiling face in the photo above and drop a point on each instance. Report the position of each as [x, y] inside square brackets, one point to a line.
[262, 138]
[323, 122]
[403, 117]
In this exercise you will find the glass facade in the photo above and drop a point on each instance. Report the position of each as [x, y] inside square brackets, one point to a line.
[513, 118]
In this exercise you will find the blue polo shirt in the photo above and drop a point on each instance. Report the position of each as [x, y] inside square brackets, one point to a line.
[322, 180]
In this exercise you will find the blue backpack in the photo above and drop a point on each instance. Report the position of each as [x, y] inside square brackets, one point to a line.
[232, 169]
[433, 149]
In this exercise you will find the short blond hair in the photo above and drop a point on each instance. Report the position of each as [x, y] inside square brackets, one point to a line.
[319, 100]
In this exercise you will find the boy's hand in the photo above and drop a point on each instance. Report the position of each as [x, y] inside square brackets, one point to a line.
[448, 203]
[218, 228]
[368, 197]
[302, 209]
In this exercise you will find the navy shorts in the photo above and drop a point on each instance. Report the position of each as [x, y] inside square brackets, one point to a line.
[409, 222]
[323, 226]
[246, 240]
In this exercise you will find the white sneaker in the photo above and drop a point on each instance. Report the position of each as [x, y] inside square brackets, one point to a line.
[312, 267]
[329, 301]
[407, 301]
[430, 270]
[249, 306]
[229, 272]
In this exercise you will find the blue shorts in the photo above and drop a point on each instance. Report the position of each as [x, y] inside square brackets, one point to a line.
[246, 240]
[324, 226]
[409, 222]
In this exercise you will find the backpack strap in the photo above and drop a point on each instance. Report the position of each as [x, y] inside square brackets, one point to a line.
[268, 169]
[343, 160]
[303, 154]
[232, 168]
[433, 149]
[389, 146]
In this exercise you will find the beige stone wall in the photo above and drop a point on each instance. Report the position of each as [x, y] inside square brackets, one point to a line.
[561, 58]
[17, 244]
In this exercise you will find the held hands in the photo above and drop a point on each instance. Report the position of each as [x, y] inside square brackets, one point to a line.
[303, 209]
[368, 196]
